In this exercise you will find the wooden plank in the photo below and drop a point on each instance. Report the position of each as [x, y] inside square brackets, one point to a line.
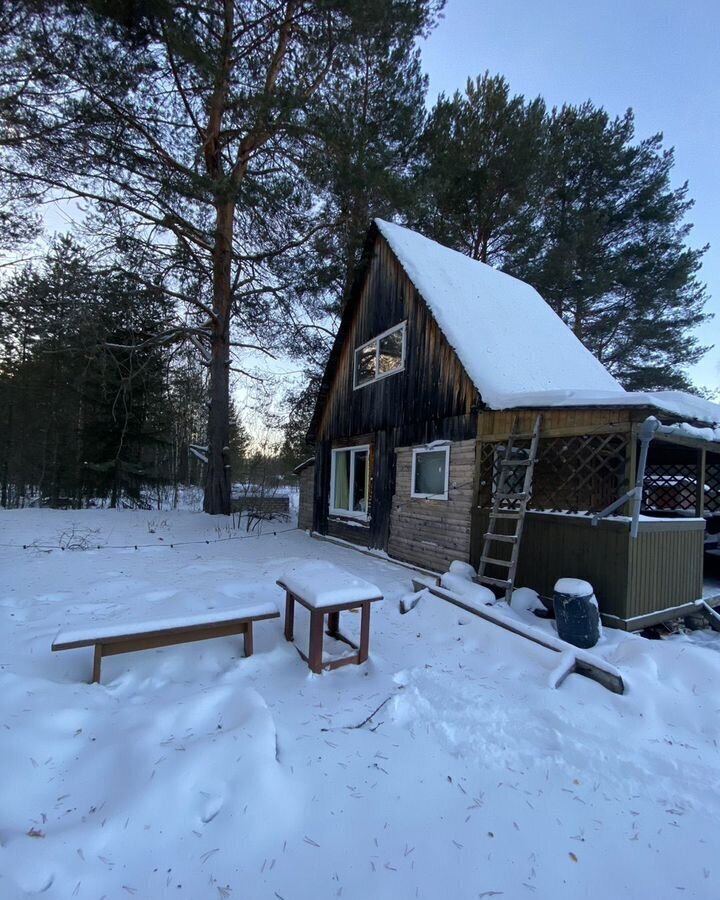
[565, 431]
[590, 669]
[638, 623]
[700, 483]
[166, 639]
[182, 632]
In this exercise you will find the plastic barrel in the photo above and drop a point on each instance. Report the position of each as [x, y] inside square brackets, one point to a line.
[576, 613]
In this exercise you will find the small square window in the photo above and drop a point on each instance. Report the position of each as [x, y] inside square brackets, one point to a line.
[430, 473]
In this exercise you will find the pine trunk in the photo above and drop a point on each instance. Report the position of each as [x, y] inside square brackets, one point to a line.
[218, 479]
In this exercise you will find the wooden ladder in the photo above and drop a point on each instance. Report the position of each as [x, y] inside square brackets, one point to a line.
[509, 505]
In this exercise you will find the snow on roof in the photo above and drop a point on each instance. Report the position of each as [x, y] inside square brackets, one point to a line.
[506, 336]
[677, 403]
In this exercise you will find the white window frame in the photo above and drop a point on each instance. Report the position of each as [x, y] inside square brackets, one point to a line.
[417, 451]
[376, 340]
[355, 514]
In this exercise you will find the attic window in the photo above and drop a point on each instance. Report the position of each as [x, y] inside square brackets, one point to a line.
[382, 356]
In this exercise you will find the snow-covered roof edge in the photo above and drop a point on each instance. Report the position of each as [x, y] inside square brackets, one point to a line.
[505, 335]
[676, 403]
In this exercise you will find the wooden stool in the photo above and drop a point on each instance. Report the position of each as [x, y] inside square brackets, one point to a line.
[318, 606]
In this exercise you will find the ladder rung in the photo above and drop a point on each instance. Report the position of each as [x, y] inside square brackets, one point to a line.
[497, 582]
[506, 514]
[511, 463]
[505, 538]
[496, 562]
[521, 496]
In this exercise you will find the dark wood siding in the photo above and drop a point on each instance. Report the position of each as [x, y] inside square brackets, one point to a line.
[433, 384]
[431, 399]
[306, 479]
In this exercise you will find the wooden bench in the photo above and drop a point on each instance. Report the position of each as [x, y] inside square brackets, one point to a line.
[327, 590]
[113, 639]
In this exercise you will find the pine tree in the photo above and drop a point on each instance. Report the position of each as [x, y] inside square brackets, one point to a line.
[478, 170]
[366, 132]
[186, 123]
[609, 252]
[83, 381]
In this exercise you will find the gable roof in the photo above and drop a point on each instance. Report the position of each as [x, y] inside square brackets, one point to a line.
[507, 338]
[515, 349]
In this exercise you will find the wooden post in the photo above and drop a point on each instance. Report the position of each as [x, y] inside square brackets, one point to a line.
[289, 615]
[333, 623]
[248, 639]
[700, 484]
[317, 621]
[630, 467]
[97, 661]
[364, 632]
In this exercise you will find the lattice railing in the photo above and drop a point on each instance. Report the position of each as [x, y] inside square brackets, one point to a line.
[673, 487]
[584, 473]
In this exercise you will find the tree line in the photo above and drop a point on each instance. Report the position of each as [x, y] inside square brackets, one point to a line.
[230, 158]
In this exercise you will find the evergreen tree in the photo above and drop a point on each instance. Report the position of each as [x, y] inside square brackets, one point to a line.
[572, 203]
[83, 382]
[365, 142]
[609, 252]
[479, 170]
[186, 123]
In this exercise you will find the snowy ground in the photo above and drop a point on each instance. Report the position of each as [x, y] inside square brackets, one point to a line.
[192, 772]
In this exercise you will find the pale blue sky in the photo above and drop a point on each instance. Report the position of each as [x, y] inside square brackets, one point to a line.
[660, 57]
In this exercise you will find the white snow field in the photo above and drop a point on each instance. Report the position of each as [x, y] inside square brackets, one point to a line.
[193, 772]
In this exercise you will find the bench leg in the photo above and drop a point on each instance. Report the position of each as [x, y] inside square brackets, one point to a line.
[289, 616]
[364, 633]
[97, 660]
[317, 621]
[248, 639]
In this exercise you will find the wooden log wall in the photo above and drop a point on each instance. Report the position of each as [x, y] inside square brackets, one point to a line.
[432, 533]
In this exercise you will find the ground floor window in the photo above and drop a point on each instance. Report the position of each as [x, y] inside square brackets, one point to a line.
[349, 481]
[430, 472]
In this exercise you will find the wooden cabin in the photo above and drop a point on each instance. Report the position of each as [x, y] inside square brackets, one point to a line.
[437, 359]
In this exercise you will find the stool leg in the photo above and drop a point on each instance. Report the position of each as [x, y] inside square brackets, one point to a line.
[364, 633]
[97, 661]
[317, 620]
[333, 623]
[248, 639]
[289, 615]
